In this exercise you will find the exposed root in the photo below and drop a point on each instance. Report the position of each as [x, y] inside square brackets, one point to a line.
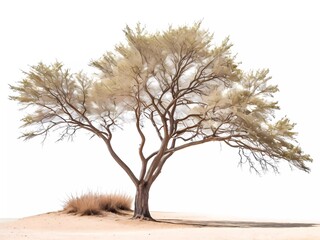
[143, 218]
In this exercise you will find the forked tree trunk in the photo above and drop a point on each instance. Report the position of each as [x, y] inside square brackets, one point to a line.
[141, 204]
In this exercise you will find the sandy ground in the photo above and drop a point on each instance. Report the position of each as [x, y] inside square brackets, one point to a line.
[59, 226]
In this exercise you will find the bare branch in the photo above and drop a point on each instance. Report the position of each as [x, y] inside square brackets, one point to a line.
[187, 89]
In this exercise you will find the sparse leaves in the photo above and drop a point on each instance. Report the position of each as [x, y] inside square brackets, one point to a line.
[58, 100]
[177, 81]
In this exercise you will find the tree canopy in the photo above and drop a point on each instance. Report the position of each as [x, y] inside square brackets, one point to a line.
[177, 81]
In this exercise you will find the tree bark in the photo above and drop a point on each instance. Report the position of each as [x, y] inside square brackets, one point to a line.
[141, 204]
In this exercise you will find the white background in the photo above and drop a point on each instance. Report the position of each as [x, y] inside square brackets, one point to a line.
[280, 35]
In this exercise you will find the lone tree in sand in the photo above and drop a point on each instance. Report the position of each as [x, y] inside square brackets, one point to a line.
[178, 83]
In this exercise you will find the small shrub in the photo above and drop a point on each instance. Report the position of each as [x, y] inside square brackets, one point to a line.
[115, 203]
[87, 204]
[97, 204]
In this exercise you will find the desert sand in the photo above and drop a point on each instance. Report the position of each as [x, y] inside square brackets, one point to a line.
[60, 226]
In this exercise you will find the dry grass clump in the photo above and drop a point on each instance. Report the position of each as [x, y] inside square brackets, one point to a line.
[98, 204]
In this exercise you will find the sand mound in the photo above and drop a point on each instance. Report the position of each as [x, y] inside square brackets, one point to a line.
[60, 226]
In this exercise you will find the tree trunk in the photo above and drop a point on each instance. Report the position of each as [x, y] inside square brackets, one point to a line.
[141, 204]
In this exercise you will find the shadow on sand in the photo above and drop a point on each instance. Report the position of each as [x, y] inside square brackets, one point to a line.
[235, 224]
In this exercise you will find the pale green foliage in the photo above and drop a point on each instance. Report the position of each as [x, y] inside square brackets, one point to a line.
[188, 89]
[56, 97]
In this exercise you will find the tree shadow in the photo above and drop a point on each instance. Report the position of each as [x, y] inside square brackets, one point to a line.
[235, 224]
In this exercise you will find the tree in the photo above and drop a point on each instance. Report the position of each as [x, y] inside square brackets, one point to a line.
[188, 90]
